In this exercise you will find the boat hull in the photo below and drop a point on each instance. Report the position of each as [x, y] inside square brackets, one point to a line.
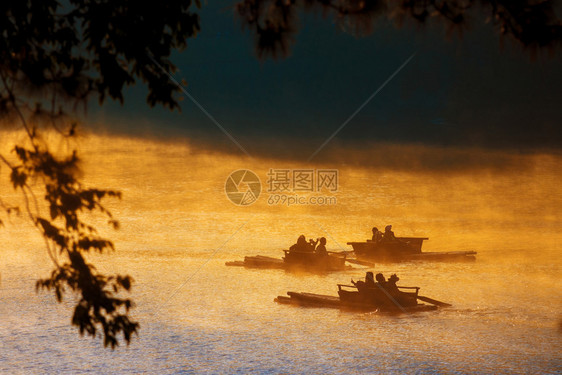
[310, 260]
[259, 261]
[405, 250]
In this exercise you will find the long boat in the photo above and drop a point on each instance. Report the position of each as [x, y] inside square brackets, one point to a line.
[297, 261]
[374, 298]
[405, 249]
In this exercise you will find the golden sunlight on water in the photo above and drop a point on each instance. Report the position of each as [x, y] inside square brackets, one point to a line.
[197, 315]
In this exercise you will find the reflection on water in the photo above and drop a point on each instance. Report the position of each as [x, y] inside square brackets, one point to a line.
[178, 229]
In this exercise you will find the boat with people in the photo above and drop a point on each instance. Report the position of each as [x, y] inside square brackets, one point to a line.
[385, 247]
[370, 295]
[310, 256]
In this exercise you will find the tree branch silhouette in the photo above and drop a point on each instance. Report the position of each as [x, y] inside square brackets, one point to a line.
[54, 58]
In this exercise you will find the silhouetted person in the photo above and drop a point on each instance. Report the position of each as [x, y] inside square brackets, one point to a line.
[321, 248]
[358, 284]
[389, 234]
[377, 235]
[312, 244]
[381, 280]
[369, 280]
[391, 284]
[301, 244]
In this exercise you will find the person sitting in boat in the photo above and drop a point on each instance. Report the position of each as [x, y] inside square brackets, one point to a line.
[388, 235]
[301, 244]
[391, 284]
[369, 280]
[377, 235]
[312, 244]
[381, 279]
[321, 248]
[368, 283]
[404, 299]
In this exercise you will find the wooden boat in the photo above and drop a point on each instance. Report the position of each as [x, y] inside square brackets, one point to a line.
[311, 260]
[405, 249]
[297, 260]
[367, 299]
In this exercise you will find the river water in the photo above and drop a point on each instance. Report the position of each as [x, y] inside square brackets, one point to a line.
[199, 316]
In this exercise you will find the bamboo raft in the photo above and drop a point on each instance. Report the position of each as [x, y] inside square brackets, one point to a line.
[370, 299]
[321, 300]
[297, 260]
[259, 261]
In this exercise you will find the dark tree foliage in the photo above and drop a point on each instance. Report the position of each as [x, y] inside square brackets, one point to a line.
[533, 23]
[54, 57]
[92, 46]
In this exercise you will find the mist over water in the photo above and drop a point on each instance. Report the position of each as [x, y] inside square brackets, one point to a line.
[199, 316]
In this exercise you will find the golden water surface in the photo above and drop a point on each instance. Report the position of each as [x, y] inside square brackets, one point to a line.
[178, 228]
